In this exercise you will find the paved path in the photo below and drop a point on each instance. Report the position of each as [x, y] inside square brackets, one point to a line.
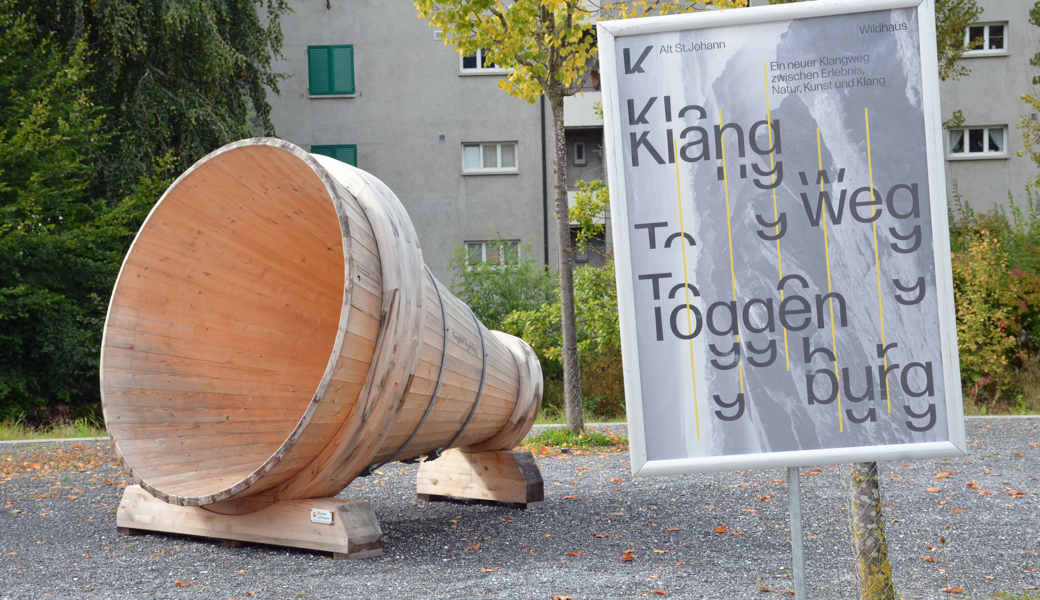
[58, 540]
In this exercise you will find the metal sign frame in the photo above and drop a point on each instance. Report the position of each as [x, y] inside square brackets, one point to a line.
[613, 33]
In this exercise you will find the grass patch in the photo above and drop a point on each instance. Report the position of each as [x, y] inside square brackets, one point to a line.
[80, 428]
[555, 437]
[552, 415]
[1009, 596]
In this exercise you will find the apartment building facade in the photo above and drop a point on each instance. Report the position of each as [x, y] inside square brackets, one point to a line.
[373, 85]
[982, 154]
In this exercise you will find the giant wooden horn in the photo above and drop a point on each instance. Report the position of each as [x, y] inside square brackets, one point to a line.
[274, 332]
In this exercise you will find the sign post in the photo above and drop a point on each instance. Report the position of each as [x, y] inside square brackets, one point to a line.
[782, 251]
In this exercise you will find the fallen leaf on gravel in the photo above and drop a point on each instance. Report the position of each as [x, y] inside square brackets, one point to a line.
[656, 551]
[928, 558]
[974, 485]
[929, 548]
[943, 475]
[17, 511]
[778, 481]
[674, 529]
[679, 563]
[897, 478]
[11, 553]
[988, 576]
[242, 571]
[570, 497]
[1014, 493]
[180, 583]
[933, 490]
[951, 590]
[629, 555]
[764, 589]
[763, 498]
[662, 592]
[473, 547]
[599, 535]
[749, 510]
[721, 529]
[489, 570]
[574, 554]
[738, 533]
[789, 591]
[559, 597]
[250, 593]
[617, 480]
[957, 510]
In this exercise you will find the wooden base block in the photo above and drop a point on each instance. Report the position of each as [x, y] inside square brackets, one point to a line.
[509, 476]
[354, 532]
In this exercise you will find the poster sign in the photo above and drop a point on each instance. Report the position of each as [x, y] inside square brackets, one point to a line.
[780, 225]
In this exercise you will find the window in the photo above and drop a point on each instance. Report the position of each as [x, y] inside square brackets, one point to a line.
[990, 39]
[330, 70]
[494, 252]
[489, 158]
[344, 152]
[478, 63]
[579, 154]
[978, 141]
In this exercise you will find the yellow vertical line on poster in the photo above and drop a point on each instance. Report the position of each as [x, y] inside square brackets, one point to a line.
[686, 280]
[877, 260]
[729, 234]
[776, 213]
[827, 256]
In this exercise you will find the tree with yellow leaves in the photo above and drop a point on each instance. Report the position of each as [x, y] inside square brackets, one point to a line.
[548, 46]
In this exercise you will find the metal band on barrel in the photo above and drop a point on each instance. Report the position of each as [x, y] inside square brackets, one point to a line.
[436, 388]
[480, 390]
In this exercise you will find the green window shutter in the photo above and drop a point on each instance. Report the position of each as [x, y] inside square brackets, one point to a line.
[318, 70]
[342, 69]
[346, 153]
[330, 70]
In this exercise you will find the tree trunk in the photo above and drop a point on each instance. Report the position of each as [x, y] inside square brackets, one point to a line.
[868, 529]
[571, 369]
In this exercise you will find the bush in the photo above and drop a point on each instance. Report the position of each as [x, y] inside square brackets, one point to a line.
[599, 342]
[996, 277]
[509, 280]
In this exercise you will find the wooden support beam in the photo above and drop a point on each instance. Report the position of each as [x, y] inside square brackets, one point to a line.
[509, 476]
[354, 532]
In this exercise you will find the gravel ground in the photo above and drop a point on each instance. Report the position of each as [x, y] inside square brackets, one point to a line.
[58, 539]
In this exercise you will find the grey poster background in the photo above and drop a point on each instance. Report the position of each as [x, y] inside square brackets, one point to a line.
[819, 75]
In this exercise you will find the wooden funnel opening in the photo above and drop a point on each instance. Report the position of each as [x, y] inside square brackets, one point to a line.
[223, 321]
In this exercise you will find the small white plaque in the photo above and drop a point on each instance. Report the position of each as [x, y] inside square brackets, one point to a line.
[321, 516]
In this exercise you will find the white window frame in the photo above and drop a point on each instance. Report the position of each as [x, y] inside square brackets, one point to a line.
[483, 245]
[584, 158]
[967, 154]
[985, 50]
[479, 69]
[496, 170]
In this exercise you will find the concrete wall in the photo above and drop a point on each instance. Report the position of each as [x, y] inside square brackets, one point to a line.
[992, 95]
[409, 90]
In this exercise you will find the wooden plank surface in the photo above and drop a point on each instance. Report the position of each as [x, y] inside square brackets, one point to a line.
[354, 532]
[501, 476]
